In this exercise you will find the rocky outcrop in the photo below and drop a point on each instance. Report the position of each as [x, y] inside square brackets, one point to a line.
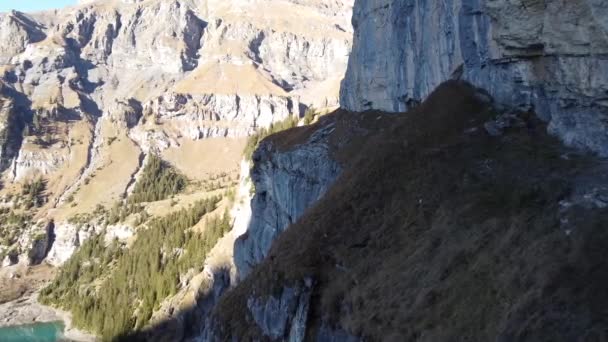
[69, 236]
[544, 56]
[10, 132]
[41, 244]
[113, 59]
[125, 114]
[283, 317]
[67, 240]
[201, 116]
[17, 30]
[37, 162]
[241, 210]
[286, 184]
[11, 258]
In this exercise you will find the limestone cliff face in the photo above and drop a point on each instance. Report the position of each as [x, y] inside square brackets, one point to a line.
[545, 56]
[200, 69]
[199, 116]
[16, 32]
[150, 75]
[8, 130]
[286, 184]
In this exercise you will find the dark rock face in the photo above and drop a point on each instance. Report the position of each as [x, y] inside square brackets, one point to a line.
[546, 56]
[41, 245]
[13, 115]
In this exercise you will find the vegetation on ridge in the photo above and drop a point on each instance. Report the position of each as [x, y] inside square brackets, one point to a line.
[254, 140]
[436, 229]
[112, 290]
[33, 193]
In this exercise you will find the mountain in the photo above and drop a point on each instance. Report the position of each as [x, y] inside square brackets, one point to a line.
[115, 114]
[458, 193]
[542, 56]
[108, 81]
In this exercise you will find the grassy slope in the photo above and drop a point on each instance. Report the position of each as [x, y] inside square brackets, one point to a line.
[432, 234]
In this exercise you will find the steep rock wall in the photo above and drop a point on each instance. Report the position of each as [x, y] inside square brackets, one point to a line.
[286, 184]
[546, 56]
[9, 132]
[201, 116]
[16, 32]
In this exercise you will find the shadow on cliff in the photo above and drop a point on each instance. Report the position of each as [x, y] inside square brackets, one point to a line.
[187, 322]
[20, 118]
[452, 220]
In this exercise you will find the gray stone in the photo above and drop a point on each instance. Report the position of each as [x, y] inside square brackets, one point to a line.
[327, 334]
[11, 258]
[178, 60]
[547, 56]
[286, 184]
[283, 316]
[502, 122]
[299, 322]
[41, 244]
[273, 314]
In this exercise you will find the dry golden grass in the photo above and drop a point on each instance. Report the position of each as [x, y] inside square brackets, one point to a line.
[282, 16]
[118, 161]
[180, 201]
[25, 280]
[224, 78]
[200, 159]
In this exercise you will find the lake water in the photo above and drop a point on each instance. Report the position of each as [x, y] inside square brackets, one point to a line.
[37, 332]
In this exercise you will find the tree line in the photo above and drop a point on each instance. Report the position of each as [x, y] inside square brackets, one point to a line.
[112, 290]
[158, 181]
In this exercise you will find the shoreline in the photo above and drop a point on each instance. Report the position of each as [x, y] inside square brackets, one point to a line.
[27, 310]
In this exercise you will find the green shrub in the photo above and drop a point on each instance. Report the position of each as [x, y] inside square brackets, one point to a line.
[32, 192]
[254, 140]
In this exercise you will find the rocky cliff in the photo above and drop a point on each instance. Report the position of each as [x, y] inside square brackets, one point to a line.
[545, 56]
[286, 183]
[461, 217]
[212, 68]
[106, 81]
[433, 216]
[336, 272]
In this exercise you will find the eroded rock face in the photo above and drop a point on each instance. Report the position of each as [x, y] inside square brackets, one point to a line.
[69, 236]
[17, 30]
[202, 116]
[6, 126]
[201, 69]
[283, 317]
[67, 240]
[41, 244]
[547, 56]
[286, 184]
[37, 162]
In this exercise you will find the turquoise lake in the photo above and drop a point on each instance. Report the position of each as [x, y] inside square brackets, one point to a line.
[37, 332]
